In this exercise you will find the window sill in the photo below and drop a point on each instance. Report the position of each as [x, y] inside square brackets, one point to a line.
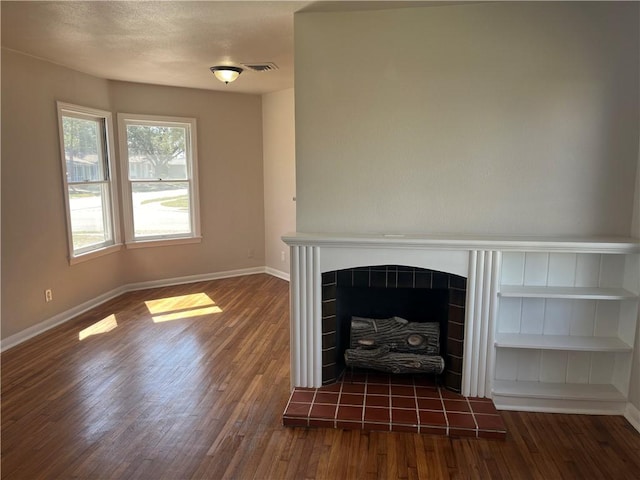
[100, 252]
[163, 242]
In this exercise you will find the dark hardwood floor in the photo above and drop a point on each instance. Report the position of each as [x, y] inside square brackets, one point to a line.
[199, 394]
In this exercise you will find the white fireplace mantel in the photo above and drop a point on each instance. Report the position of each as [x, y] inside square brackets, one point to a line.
[466, 242]
[478, 258]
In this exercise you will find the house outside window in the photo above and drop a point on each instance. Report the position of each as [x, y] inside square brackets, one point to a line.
[86, 145]
[159, 179]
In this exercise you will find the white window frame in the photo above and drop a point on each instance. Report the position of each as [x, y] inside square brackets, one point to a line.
[77, 111]
[125, 119]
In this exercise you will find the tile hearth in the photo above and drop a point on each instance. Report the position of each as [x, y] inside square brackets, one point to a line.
[398, 403]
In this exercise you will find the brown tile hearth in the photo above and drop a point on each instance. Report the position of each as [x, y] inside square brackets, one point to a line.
[373, 401]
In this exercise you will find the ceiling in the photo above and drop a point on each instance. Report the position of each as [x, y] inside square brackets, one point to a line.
[167, 42]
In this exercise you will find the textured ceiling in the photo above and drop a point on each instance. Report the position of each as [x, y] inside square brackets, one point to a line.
[168, 42]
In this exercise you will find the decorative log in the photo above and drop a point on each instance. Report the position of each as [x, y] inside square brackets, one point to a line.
[399, 334]
[383, 359]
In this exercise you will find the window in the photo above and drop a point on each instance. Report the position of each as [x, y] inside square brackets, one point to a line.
[86, 142]
[159, 170]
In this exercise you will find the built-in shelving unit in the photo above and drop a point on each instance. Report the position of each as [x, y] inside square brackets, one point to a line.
[565, 330]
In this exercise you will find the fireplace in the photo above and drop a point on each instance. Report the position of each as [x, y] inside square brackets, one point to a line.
[324, 267]
[320, 262]
[384, 291]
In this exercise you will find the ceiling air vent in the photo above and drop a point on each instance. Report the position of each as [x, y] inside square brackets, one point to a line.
[261, 67]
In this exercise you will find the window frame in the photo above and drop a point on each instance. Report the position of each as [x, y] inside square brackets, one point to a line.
[125, 119]
[109, 164]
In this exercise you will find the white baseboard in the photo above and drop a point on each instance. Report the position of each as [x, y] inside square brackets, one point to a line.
[59, 319]
[67, 315]
[205, 277]
[277, 273]
[632, 415]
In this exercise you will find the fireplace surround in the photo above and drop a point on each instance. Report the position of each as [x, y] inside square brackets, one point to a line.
[314, 255]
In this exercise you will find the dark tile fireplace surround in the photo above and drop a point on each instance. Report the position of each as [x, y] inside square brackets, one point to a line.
[420, 295]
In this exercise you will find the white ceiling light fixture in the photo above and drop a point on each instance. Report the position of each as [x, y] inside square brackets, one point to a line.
[226, 73]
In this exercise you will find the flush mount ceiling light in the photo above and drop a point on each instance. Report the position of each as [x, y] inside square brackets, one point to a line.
[225, 73]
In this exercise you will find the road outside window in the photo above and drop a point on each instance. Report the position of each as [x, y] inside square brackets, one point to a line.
[86, 146]
[161, 188]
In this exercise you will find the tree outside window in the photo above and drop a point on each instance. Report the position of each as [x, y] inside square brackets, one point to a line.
[161, 177]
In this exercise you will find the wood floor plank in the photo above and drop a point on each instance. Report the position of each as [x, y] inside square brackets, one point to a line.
[201, 396]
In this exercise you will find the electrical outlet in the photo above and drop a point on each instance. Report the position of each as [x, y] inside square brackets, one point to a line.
[250, 253]
[282, 255]
[48, 295]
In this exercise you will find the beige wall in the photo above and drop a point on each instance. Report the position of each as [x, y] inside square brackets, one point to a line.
[34, 239]
[279, 175]
[497, 118]
[230, 171]
[34, 248]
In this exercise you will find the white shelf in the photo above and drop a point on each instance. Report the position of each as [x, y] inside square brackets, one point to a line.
[561, 391]
[591, 293]
[561, 342]
[545, 293]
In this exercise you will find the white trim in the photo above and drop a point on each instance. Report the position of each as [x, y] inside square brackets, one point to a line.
[80, 111]
[305, 318]
[632, 414]
[278, 273]
[70, 314]
[95, 254]
[205, 277]
[192, 177]
[163, 242]
[59, 319]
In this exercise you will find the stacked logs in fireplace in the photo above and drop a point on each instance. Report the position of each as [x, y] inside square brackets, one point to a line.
[394, 345]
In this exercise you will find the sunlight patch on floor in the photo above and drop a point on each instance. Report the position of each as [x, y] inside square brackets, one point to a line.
[103, 326]
[181, 307]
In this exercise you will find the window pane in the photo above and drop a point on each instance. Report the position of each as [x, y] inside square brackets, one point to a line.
[83, 149]
[157, 152]
[160, 208]
[88, 209]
